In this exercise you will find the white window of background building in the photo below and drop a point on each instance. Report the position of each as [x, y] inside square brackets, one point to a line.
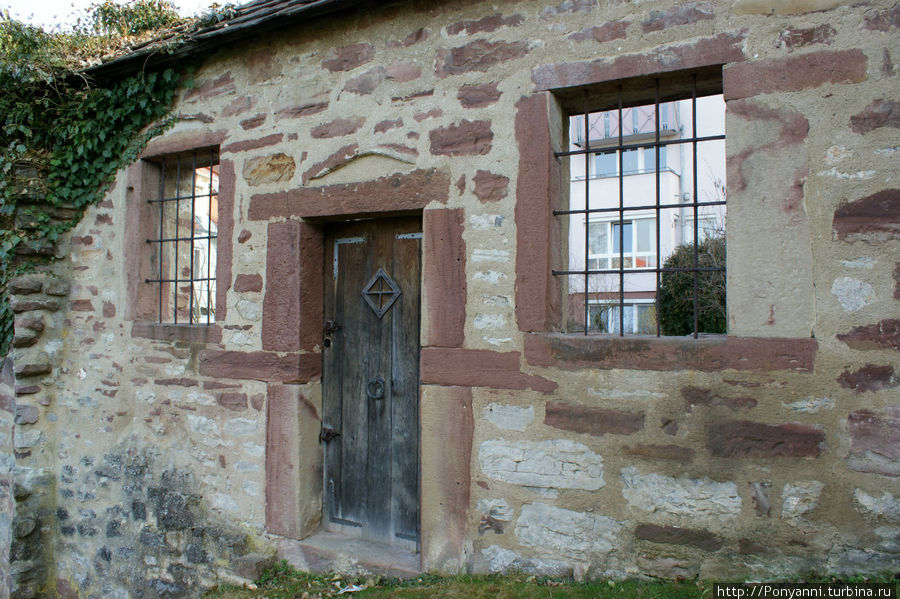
[636, 239]
[647, 168]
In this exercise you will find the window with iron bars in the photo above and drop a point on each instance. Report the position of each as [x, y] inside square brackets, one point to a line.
[646, 210]
[183, 255]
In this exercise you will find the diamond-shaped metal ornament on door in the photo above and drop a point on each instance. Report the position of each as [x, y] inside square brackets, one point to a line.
[381, 293]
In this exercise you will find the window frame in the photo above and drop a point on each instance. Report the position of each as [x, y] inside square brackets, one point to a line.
[705, 82]
[142, 182]
[161, 242]
[633, 254]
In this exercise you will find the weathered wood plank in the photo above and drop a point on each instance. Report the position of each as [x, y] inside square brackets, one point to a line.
[405, 385]
[373, 466]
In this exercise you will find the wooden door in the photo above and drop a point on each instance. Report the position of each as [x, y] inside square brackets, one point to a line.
[370, 425]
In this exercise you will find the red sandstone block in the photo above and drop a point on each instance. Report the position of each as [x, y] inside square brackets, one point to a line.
[722, 48]
[83, 305]
[431, 114]
[211, 88]
[680, 14]
[253, 122]
[239, 106]
[478, 368]
[792, 37]
[879, 113]
[261, 366]
[884, 334]
[875, 217]
[394, 193]
[537, 189]
[874, 442]
[337, 128]
[694, 396]
[236, 402]
[333, 161]
[367, 82]
[614, 30]
[263, 65]
[747, 439]
[349, 57]
[227, 178]
[485, 25]
[387, 125]
[870, 377]
[253, 144]
[295, 112]
[594, 421]
[413, 38]
[403, 71]
[468, 138]
[248, 283]
[281, 474]
[445, 276]
[883, 20]
[897, 281]
[794, 73]
[478, 96]
[490, 187]
[281, 305]
[477, 56]
[574, 352]
[702, 539]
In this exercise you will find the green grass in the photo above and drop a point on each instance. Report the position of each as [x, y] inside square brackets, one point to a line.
[284, 582]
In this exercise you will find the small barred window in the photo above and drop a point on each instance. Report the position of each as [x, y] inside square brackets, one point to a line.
[646, 207]
[183, 256]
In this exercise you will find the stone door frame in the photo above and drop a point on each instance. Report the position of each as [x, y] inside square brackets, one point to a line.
[293, 320]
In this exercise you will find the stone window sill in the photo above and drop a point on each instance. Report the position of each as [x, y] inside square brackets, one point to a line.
[177, 332]
[710, 353]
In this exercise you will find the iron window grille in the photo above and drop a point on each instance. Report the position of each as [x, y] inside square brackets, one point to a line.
[628, 125]
[185, 242]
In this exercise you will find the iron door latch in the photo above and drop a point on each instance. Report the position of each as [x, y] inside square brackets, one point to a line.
[328, 434]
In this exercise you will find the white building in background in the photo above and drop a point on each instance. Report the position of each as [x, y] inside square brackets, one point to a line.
[596, 236]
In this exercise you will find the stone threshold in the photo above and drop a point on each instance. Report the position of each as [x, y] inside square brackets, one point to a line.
[335, 552]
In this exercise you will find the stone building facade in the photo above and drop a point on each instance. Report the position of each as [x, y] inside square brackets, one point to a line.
[147, 459]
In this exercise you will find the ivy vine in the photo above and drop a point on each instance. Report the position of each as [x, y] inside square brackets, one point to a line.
[69, 133]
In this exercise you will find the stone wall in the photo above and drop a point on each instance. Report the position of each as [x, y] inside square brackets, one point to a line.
[132, 522]
[172, 450]
[7, 505]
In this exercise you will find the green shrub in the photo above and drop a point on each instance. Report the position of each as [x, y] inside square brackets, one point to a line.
[676, 290]
[132, 18]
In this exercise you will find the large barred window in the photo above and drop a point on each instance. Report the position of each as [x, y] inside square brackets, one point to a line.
[646, 206]
[183, 254]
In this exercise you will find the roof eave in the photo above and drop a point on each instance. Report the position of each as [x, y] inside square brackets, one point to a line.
[211, 39]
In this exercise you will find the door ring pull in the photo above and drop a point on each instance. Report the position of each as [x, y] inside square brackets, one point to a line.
[375, 388]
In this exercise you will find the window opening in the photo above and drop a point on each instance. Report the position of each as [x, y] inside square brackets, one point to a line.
[646, 208]
[186, 242]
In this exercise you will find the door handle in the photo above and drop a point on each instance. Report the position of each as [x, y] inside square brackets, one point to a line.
[375, 388]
